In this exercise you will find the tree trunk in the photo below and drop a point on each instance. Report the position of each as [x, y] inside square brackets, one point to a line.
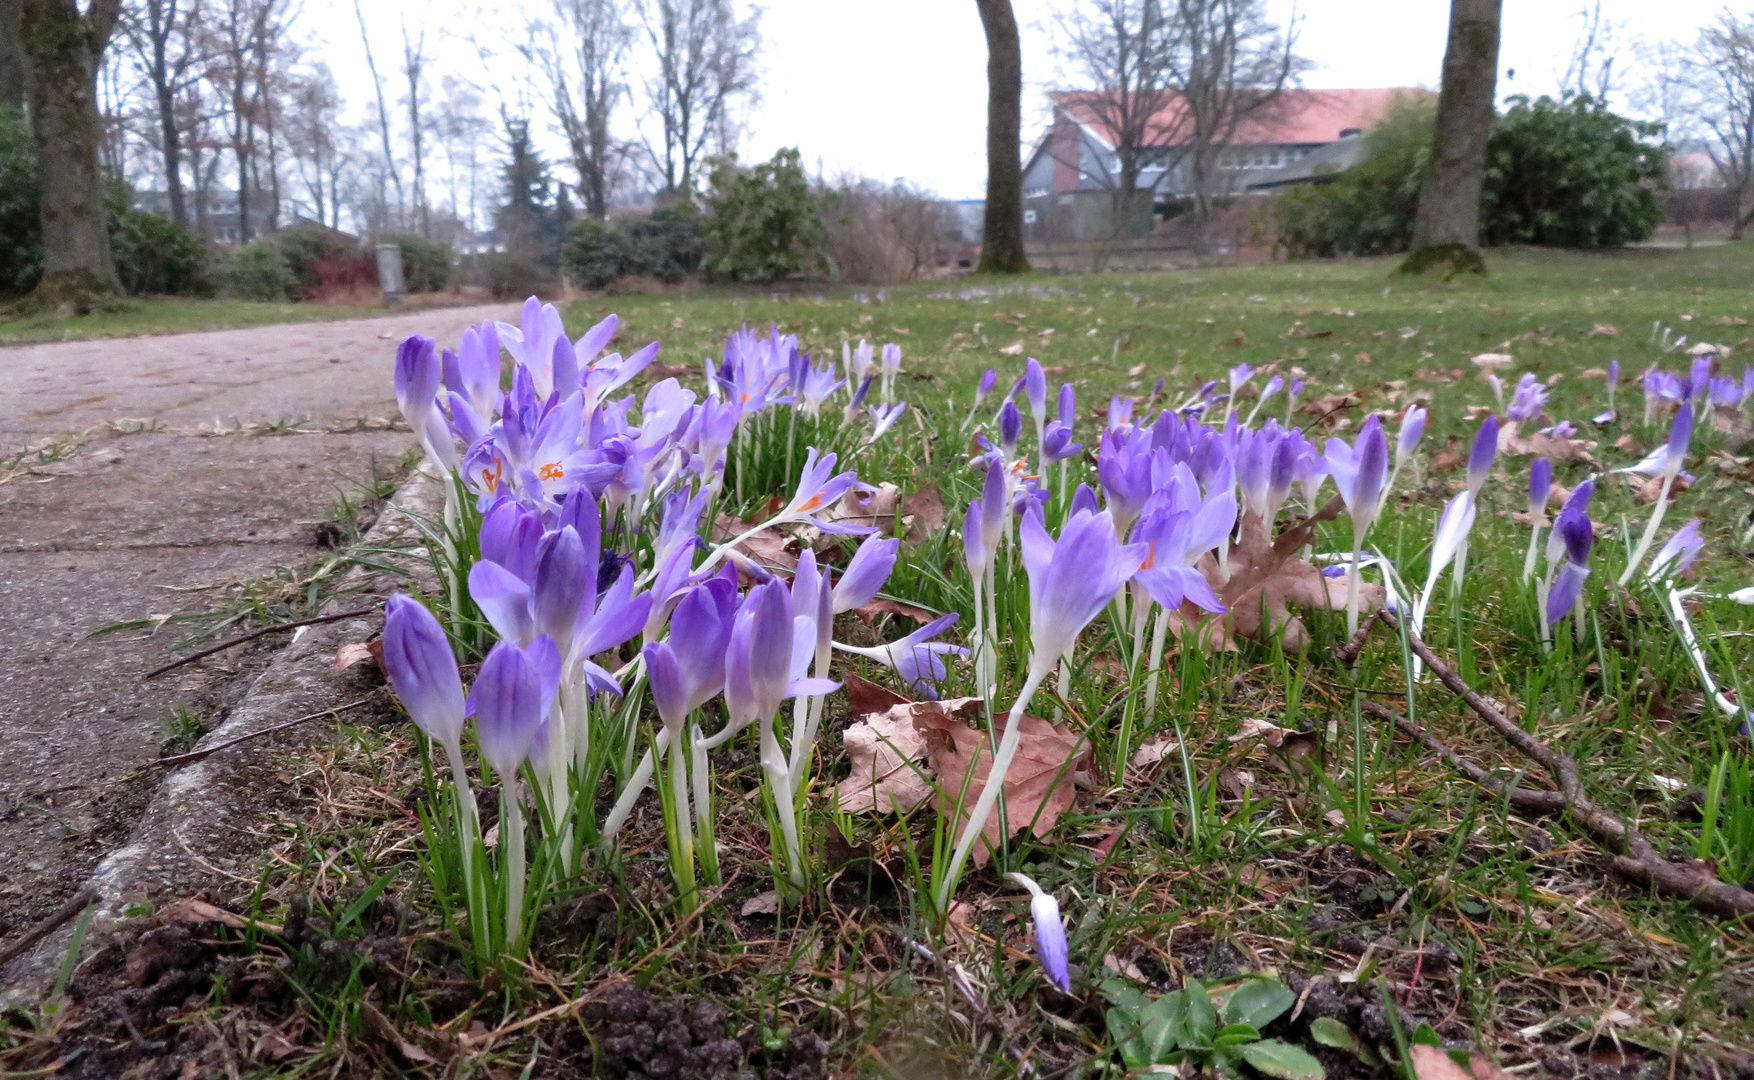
[11, 59]
[62, 49]
[1002, 229]
[170, 142]
[1447, 228]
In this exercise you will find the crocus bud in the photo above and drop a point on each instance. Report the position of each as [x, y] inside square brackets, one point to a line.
[988, 381]
[1578, 537]
[1049, 932]
[1068, 408]
[1480, 457]
[1680, 435]
[1678, 554]
[1744, 596]
[869, 569]
[1540, 485]
[510, 700]
[1412, 430]
[1035, 387]
[422, 669]
[1010, 429]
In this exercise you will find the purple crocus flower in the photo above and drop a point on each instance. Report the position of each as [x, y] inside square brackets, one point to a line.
[688, 670]
[759, 658]
[1120, 412]
[1084, 499]
[1578, 537]
[510, 701]
[985, 525]
[1239, 377]
[1678, 554]
[1049, 932]
[851, 410]
[883, 419]
[1067, 411]
[1035, 388]
[869, 568]
[1124, 469]
[564, 581]
[510, 534]
[1540, 485]
[1010, 428]
[1071, 580]
[1057, 444]
[1680, 437]
[916, 658]
[423, 670]
[1359, 472]
[985, 387]
[1175, 537]
[504, 598]
[1528, 401]
[418, 374]
[1482, 454]
[820, 487]
[1699, 378]
[1412, 430]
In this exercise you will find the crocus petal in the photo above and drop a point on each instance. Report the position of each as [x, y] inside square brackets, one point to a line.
[1567, 587]
[866, 573]
[504, 598]
[669, 692]
[509, 706]
[422, 669]
[1050, 940]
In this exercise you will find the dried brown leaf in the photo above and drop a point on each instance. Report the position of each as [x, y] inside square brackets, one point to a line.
[883, 606]
[889, 772]
[354, 652]
[1288, 581]
[1512, 441]
[1038, 787]
[925, 508]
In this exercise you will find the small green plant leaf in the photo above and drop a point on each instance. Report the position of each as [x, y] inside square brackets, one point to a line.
[1202, 1018]
[1258, 1002]
[1282, 1060]
[1327, 1031]
[1426, 1035]
[1236, 1034]
[372, 892]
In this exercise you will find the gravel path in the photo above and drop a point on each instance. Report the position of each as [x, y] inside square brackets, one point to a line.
[166, 469]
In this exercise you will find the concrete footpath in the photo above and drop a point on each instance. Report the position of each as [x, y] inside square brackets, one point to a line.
[168, 473]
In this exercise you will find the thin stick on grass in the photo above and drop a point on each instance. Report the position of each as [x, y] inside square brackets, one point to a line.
[209, 751]
[77, 903]
[1634, 856]
[253, 635]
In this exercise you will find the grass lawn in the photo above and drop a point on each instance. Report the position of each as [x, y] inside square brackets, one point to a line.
[1282, 827]
[158, 315]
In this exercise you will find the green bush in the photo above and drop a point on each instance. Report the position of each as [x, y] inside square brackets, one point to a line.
[1560, 174]
[1368, 209]
[426, 264]
[595, 253]
[510, 276]
[667, 245]
[154, 256]
[257, 271]
[1571, 174]
[21, 227]
[765, 223]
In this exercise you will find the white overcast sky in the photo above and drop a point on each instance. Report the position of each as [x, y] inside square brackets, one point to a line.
[897, 89]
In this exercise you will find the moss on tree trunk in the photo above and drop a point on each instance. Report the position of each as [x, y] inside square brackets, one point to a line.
[61, 48]
[1447, 228]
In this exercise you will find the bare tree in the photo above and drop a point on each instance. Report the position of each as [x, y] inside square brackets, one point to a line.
[62, 48]
[11, 59]
[599, 36]
[1002, 227]
[313, 111]
[1121, 49]
[165, 36]
[1713, 85]
[249, 50]
[461, 128]
[1591, 68]
[703, 56]
[1447, 226]
[413, 67]
[389, 160]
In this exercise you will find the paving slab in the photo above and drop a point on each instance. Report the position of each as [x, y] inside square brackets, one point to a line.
[188, 464]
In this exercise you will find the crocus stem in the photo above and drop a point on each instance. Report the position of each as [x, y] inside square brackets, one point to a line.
[701, 774]
[682, 838]
[1154, 665]
[779, 781]
[1352, 575]
[1529, 558]
[511, 845]
[989, 796]
[468, 821]
[636, 783]
[1650, 530]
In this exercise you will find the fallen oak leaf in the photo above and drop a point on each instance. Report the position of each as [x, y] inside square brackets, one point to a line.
[889, 772]
[926, 509]
[1038, 788]
[1266, 579]
[357, 652]
[865, 697]
[882, 605]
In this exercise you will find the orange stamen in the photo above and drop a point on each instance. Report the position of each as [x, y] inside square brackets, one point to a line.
[552, 471]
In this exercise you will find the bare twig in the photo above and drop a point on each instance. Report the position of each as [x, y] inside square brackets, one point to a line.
[72, 907]
[1528, 800]
[1348, 653]
[1635, 857]
[253, 635]
[209, 751]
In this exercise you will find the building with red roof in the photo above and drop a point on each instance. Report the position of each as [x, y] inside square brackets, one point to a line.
[1071, 174]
